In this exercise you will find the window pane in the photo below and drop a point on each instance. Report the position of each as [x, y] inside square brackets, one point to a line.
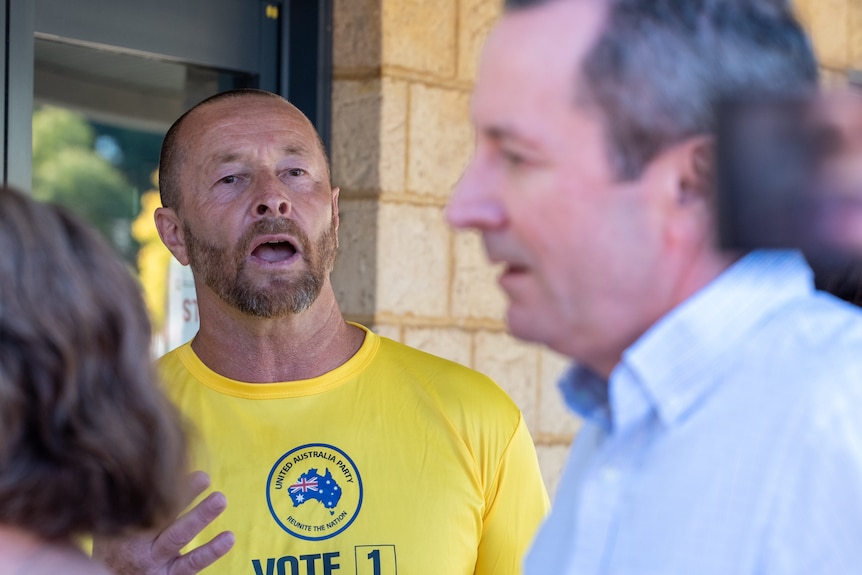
[98, 122]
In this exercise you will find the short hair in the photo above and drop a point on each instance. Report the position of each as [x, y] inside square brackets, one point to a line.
[172, 153]
[659, 67]
[88, 441]
[843, 281]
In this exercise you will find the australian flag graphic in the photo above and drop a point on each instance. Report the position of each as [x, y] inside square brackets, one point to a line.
[313, 486]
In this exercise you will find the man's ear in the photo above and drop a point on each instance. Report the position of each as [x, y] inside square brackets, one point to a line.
[171, 231]
[697, 171]
[335, 217]
[689, 202]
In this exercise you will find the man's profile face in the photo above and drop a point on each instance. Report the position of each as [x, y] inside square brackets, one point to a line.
[259, 217]
[578, 248]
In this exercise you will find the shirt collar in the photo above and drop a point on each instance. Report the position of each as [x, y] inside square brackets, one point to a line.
[676, 362]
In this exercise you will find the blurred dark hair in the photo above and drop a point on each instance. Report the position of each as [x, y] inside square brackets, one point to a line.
[659, 67]
[844, 282]
[88, 442]
[172, 156]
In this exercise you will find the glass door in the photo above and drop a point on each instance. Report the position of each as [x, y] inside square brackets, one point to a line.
[99, 117]
[102, 80]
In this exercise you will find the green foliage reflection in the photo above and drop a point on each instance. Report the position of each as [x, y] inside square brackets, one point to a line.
[67, 170]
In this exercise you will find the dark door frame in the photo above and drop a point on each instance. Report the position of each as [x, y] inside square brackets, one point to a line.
[285, 44]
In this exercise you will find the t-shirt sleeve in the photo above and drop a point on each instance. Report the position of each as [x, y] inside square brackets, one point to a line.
[517, 501]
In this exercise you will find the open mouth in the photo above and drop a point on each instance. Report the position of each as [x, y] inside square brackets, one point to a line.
[515, 269]
[274, 252]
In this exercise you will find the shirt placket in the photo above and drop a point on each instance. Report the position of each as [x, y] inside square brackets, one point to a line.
[598, 509]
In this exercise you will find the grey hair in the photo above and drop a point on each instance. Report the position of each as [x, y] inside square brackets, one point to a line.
[659, 67]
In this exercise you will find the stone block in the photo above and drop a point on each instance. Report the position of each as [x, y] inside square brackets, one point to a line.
[855, 32]
[828, 23]
[802, 10]
[553, 416]
[387, 330]
[833, 80]
[420, 35]
[513, 365]
[450, 343]
[356, 33]
[476, 19]
[356, 109]
[355, 275]
[440, 139]
[369, 134]
[393, 136]
[552, 461]
[475, 293]
[413, 262]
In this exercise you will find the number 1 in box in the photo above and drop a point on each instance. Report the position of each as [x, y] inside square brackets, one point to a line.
[376, 560]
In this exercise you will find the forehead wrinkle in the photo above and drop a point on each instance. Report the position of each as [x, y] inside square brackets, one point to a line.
[296, 150]
[234, 156]
[226, 158]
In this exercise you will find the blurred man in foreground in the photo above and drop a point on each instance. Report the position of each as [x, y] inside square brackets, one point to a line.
[721, 392]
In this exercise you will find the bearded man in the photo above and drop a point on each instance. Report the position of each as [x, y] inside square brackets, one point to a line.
[339, 450]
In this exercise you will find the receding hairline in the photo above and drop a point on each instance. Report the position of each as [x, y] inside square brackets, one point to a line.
[575, 94]
[173, 149]
[239, 95]
[226, 97]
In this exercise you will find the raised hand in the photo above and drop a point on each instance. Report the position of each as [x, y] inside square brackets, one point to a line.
[159, 553]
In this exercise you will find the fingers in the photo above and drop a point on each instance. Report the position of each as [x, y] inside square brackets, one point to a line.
[201, 557]
[196, 483]
[136, 554]
[186, 527]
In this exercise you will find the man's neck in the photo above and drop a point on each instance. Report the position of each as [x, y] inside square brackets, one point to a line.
[264, 350]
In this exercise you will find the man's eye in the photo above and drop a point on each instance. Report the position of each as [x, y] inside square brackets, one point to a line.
[512, 158]
[296, 172]
[229, 180]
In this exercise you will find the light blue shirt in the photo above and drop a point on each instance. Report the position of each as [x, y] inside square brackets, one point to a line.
[727, 441]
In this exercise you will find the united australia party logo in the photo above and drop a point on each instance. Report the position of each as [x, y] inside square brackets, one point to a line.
[314, 491]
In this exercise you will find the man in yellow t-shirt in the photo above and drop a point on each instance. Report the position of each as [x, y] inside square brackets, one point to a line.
[341, 452]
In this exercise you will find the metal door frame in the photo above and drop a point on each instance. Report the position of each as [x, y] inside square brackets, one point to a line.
[288, 48]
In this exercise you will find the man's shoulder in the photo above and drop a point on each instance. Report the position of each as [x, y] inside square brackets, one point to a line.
[399, 353]
[822, 326]
[173, 369]
[810, 358]
[171, 360]
[451, 383]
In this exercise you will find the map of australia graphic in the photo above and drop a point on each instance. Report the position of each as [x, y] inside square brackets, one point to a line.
[311, 486]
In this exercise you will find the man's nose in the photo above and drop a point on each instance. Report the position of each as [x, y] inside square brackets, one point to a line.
[272, 199]
[474, 203]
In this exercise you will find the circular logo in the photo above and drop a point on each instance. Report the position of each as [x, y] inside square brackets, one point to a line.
[314, 491]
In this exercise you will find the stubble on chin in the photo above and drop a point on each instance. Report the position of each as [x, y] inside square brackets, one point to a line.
[224, 271]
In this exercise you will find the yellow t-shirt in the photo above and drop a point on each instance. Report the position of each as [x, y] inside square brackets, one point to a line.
[395, 462]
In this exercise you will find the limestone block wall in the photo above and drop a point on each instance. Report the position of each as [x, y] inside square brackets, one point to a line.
[835, 27]
[403, 73]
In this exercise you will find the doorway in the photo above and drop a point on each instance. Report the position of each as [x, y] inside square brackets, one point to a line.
[93, 85]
